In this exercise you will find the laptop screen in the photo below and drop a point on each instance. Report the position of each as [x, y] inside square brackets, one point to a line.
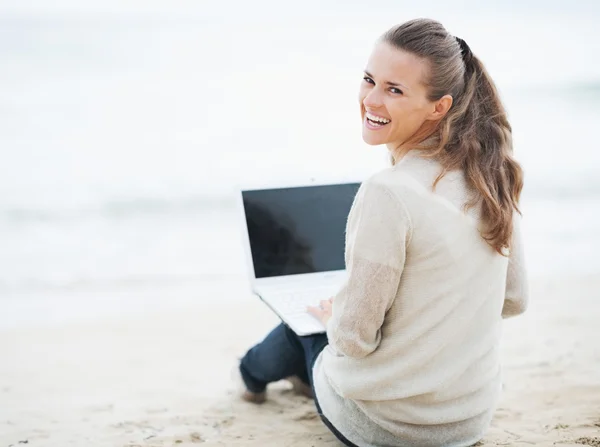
[298, 230]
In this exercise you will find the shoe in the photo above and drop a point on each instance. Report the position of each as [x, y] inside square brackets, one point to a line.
[254, 398]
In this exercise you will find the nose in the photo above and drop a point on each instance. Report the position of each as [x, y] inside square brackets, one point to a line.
[373, 99]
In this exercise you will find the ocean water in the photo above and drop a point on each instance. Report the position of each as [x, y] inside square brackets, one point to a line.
[125, 129]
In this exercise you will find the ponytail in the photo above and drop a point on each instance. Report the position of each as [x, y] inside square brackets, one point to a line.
[475, 135]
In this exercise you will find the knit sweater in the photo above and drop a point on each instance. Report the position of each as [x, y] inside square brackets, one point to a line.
[413, 356]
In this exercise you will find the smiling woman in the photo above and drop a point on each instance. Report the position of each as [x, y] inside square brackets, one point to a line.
[433, 256]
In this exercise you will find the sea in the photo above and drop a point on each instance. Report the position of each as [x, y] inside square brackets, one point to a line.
[127, 127]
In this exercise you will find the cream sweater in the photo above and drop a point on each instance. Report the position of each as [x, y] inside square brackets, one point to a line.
[413, 355]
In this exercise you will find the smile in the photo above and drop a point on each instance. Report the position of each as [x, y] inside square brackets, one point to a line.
[374, 121]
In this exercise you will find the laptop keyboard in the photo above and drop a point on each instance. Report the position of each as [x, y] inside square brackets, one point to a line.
[295, 303]
[291, 304]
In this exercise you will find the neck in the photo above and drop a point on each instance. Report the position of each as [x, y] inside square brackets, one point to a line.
[398, 151]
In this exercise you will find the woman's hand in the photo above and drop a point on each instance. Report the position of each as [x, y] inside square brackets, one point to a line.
[323, 311]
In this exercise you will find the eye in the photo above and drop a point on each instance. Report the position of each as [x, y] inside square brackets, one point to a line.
[395, 91]
[368, 80]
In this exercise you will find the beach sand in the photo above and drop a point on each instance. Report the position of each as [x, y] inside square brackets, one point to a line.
[165, 378]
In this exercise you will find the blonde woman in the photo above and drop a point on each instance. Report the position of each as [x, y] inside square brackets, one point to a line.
[433, 254]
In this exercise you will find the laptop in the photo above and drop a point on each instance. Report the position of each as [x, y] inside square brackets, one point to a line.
[294, 239]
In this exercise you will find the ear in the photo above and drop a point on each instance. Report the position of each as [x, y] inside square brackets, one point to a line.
[441, 107]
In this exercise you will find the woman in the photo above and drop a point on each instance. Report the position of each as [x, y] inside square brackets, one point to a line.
[433, 255]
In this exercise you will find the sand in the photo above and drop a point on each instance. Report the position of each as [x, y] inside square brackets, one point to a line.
[165, 378]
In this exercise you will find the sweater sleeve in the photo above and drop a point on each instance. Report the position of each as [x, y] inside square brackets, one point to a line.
[377, 234]
[516, 297]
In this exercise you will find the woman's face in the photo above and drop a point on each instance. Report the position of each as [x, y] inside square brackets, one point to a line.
[393, 97]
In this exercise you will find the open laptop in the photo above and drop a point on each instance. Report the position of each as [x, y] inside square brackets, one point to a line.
[295, 240]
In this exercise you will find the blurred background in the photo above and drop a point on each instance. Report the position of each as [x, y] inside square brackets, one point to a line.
[125, 128]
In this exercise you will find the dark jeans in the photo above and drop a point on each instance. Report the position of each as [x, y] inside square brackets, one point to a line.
[282, 354]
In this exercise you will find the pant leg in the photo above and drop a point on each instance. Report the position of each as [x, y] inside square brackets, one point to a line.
[278, 356]
[282, 354]
[313, 345]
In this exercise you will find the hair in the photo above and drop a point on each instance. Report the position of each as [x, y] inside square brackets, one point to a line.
[475, 134]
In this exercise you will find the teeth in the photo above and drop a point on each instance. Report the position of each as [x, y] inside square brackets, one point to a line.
[377, 118]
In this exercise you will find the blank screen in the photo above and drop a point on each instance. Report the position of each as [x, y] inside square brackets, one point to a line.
[298, 230]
